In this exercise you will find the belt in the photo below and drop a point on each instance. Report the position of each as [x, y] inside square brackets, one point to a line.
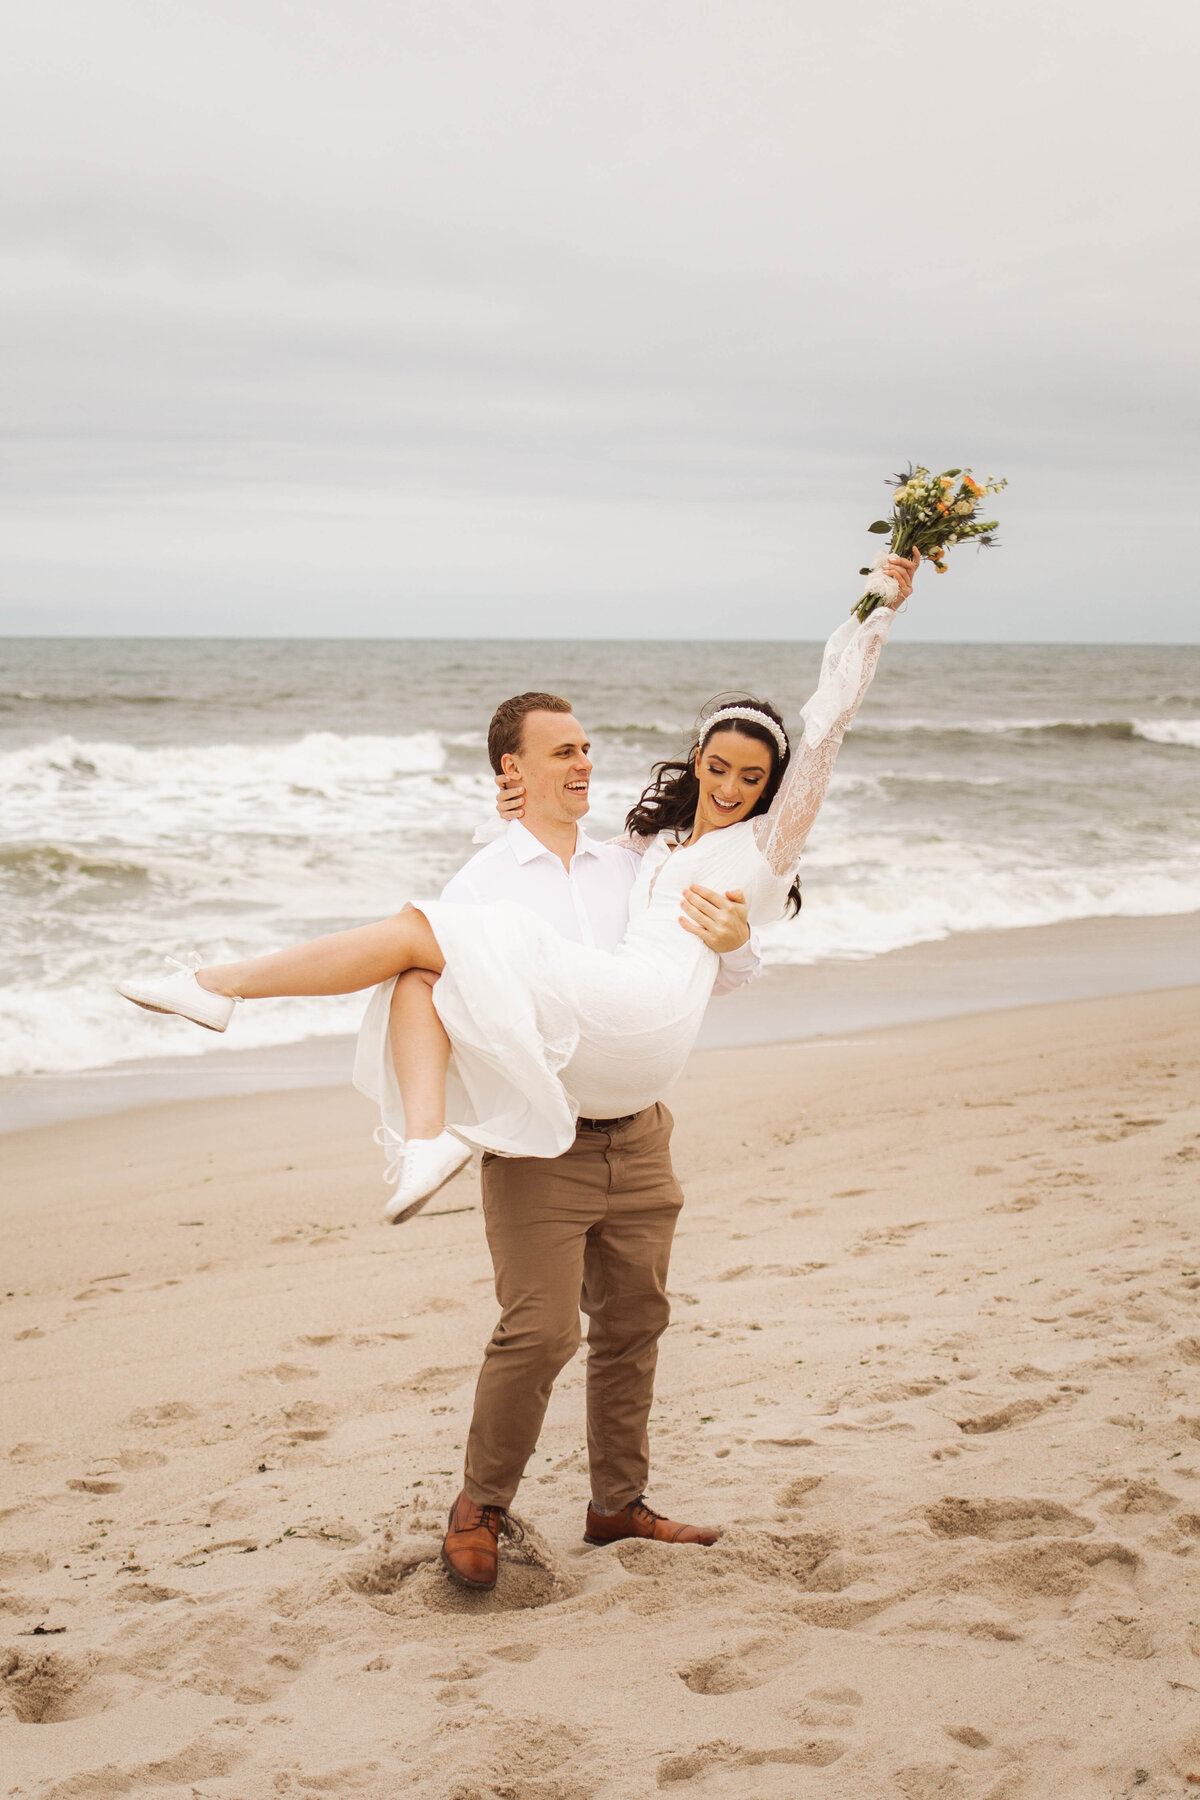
[605, 1124]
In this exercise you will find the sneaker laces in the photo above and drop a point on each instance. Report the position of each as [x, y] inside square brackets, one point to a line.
[189, 968]
[394, 1147]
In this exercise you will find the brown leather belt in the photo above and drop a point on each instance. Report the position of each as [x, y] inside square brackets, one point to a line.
[604, 1124]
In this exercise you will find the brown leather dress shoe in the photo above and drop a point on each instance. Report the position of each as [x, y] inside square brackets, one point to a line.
[470, 1549]
[638, 1521]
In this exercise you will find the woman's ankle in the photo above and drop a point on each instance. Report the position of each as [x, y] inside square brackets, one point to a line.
[213, 981]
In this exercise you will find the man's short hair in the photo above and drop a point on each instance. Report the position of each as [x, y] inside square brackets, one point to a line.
[507, 728]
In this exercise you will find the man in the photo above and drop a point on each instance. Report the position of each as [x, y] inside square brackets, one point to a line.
[590, 1229]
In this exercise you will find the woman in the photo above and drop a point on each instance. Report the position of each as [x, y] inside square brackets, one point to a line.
[544, 1030]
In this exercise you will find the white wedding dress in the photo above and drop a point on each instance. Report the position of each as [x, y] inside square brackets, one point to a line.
[544, 1030]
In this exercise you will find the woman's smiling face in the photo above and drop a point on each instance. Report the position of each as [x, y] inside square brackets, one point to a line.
[732, 771]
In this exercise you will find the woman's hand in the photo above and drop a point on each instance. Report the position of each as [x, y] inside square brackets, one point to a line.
[510, 801]
[901, 569]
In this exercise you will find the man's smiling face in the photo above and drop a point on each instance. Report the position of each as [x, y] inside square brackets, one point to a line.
[554, 765]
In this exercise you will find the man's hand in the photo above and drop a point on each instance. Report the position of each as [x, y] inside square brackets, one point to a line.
[510, 801]
[720, 919]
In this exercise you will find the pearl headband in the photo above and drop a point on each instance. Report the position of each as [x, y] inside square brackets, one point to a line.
[753, 715]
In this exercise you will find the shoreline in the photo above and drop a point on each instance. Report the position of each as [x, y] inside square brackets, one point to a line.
[970, 972]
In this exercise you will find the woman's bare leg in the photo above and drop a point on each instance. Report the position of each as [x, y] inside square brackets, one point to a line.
[420, 1053]
[342, 963]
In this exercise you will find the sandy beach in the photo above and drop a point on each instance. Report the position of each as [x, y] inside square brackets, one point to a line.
[934, 1366]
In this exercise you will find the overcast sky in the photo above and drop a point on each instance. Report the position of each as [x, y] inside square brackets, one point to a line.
[545, 317]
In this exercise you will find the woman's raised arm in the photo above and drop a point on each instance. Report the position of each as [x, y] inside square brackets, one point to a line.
[849, 662]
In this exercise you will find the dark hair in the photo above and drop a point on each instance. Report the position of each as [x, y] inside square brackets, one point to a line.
[507, 728]
[668, 802]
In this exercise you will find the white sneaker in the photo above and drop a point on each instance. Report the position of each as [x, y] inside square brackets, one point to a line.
[419, 1167]
[180, 993]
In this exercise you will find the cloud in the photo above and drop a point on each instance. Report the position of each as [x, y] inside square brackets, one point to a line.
[390, 318]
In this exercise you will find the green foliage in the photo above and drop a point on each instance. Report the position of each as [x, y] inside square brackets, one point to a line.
[929, 514]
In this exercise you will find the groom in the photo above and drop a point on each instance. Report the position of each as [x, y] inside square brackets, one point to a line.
[590, 1229]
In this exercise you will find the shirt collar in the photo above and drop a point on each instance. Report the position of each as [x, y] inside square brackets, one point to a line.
[526, 848]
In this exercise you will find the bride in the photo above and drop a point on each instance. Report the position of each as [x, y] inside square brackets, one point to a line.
[544, 1030]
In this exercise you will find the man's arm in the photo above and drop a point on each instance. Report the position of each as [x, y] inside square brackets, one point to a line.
[721, 921]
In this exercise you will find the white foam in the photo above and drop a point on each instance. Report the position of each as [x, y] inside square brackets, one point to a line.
[116, 853]
[1169, 731]
[319, 758]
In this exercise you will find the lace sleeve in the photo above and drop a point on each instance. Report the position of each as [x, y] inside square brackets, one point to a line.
[846, 670]
[631, 841]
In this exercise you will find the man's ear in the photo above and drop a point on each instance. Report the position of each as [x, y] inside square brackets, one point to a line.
[509, 767]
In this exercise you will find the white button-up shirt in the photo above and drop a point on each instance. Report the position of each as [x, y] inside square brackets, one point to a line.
[587, 902]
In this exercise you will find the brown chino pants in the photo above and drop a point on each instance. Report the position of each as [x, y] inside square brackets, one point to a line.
[590, 1229]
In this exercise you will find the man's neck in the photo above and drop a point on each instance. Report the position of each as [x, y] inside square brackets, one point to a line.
[557, 835]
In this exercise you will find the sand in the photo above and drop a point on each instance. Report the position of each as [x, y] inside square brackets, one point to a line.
[934, 1366]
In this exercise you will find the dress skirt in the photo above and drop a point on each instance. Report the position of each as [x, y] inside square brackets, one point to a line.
[543, 1030]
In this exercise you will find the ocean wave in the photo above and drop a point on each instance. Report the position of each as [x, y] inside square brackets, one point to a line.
[1158, 731]
[864, 895]
[86, 702]
[858, 919]
[313, 760]
[1183, 732]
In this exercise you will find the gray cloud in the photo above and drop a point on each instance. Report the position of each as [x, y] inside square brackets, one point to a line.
[515, 318]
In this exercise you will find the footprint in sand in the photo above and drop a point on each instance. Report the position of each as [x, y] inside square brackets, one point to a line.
[167, 1412]
[439, 1381]
[1002, 1521]
[43, 1687]
[828, 1706]
[135, 1461]
[720, 1755]
[755, 1662]
[283, 1371]
[1141, 1497]
[930, 1781]
[408, 1579]
[1017, 1412]
[303, 1422]
[795, 1491]
[1055, 1568]
[516, 1653]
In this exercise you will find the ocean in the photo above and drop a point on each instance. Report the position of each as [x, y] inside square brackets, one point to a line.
[222, 797]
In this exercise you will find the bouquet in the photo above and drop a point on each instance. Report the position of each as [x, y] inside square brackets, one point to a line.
[928, 515]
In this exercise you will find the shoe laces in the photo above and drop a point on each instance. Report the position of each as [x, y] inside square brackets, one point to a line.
[648, 1512]
[394, 1146]
[189, 968]
[501, 1521]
